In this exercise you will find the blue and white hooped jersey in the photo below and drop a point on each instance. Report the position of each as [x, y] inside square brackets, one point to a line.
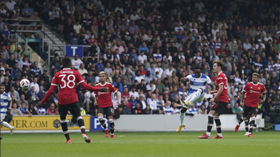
[197, 83]
[5, 98]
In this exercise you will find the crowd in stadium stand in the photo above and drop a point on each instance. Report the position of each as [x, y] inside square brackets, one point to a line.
[147, 46]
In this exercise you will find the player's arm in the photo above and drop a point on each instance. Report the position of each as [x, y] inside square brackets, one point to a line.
[50, 91]
[10, 106]
[221, 88]
[245, 89]
[81, 81]
[264, 96]
[118, 97]
[242, 96]
[209, 82]
[212, 86]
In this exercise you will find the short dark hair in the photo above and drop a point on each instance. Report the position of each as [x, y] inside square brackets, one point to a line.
[219, 63]
[66, 62]
[197, 67]
[2, 85]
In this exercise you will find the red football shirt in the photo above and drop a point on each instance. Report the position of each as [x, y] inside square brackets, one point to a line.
[104, 99]
[67, 80]
[222, 79]
[253, 93]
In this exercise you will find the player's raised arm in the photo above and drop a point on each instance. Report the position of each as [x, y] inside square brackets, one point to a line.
[50, 91]
[81, 81]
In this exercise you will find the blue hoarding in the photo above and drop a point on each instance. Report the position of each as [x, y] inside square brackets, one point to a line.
[95, 124]
[72, 50]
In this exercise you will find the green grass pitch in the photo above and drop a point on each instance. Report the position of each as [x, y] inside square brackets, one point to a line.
[158, 144]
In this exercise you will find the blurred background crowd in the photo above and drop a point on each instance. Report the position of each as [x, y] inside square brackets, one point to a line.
[146, 47]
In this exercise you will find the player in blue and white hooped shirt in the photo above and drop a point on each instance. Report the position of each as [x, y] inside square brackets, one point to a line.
[198, 83]
[5, 103]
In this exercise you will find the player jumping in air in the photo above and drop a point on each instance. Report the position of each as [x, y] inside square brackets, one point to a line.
[67, 80]
[105, 105]
[198, 84]
[5, 102]
[221, 99]
[253, 91]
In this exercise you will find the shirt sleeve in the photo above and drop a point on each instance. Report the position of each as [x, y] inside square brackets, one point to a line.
[54, 81]
[263, 89]
[208, 80]
[220, 80]
[113, 88]
[79, 78]
[189, 77]
[9, 97]
[245, 89]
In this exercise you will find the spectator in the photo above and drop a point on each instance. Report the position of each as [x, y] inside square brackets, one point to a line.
[137, 109]
[33, 94]
[168, 110]
[118, 84]
[125, 108]
[23, 109]
[82, 69]
[6, 32]
[2, 77]
[237, 110]
[32, 110]
[15, 111]
[202, 110]
[41, 93]
[16, 72]
[76, 62]
[35, 85]
[228, 109]
[41, 110]
[153, 104]
[192, 111]
[15, 93]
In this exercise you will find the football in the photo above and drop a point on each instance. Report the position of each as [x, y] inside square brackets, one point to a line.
[24, 83]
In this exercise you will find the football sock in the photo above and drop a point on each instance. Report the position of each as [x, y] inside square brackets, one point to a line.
[65, 129]
[240, 121]
[112, 126]
[7, 125]
[218, 126]
[210, 124]
[66, 134]
[102, 122]
[252, 123]
[246, 125]
[182, 116]
[81, 124]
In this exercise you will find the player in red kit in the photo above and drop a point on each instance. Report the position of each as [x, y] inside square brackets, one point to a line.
[253, 91]
[221, 99]
[67, 80]
[105, 104]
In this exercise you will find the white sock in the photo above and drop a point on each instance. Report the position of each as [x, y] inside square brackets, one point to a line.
[208, 133]
[182, 116]
[7, 125]
[220, 134]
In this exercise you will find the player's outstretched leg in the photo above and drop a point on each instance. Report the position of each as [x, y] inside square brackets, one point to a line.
[7, 125]
[252, 124]
[182, 116]
[218, 126]
[83, 129]
[238, 125]
[104, 125]
[112, 127]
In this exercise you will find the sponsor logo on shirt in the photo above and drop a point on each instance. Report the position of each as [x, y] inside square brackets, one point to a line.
[251, 91]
